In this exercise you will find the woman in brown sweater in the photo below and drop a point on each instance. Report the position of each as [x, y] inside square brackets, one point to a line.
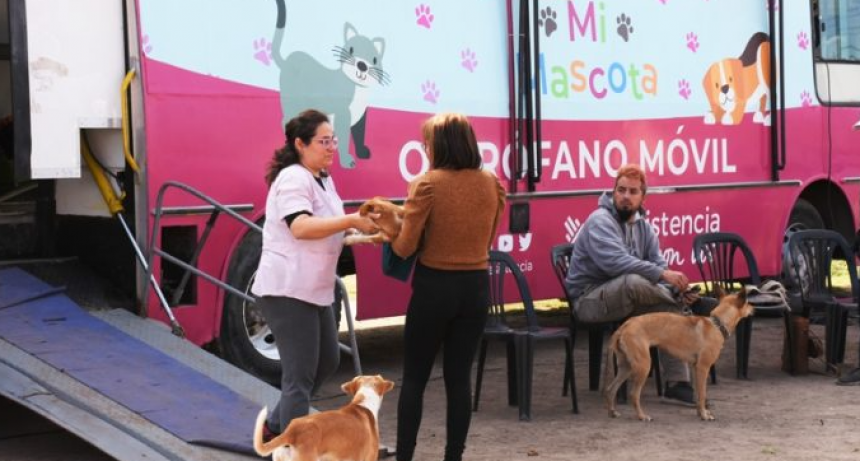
[450, 219]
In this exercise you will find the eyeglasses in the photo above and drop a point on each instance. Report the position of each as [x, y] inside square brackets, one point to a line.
[328, 142]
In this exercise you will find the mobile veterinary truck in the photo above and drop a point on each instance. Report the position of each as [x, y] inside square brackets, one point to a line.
[741, 112]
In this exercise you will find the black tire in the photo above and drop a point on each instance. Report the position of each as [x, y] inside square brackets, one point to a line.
[245, 339]
[804, 216]
[337, 306]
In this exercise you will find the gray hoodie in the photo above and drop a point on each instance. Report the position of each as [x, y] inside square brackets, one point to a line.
[605, 249]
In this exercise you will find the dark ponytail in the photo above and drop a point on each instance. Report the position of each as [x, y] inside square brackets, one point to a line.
[304, 127]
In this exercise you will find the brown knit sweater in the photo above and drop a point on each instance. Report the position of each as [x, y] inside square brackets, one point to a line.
[456, 212]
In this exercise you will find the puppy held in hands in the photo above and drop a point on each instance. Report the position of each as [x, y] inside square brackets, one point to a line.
[389, 221]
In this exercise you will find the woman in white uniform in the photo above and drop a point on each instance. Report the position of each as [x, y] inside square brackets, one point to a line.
[302, 240]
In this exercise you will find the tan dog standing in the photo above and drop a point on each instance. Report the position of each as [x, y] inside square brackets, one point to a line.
[389, 221]
[695, 340]
[348, 433]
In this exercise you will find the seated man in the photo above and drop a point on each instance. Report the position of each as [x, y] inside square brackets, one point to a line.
[616, 270]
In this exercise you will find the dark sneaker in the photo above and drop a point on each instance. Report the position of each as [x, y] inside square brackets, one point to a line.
[268, 434]
[679, 393]
[386, 451]
[851, 378]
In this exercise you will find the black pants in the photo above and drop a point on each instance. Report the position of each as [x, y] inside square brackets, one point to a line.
[448, 308]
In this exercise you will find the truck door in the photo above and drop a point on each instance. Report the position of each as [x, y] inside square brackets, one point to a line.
[836, 38]
[837, 69]
[63, 62]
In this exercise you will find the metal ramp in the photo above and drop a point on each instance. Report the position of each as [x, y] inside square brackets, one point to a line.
[132, 387]
[125, 385]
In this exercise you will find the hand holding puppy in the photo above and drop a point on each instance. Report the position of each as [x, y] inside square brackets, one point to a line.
[386, 217]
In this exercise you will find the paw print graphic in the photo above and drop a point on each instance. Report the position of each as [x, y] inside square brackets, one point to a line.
[571, 228]
[431, 94]
[805, 99]
[145, 45]
[803, 40]
[547, 21]
[625, 28]
[684, 89]
[692, 41]
[263, 51]
[425, 17]
[468, 60]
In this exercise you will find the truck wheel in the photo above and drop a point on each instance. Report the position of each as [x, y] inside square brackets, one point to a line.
[338, 305]
[804, 216]
[245, 340]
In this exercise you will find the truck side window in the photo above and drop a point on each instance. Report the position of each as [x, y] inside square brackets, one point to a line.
[839, 30]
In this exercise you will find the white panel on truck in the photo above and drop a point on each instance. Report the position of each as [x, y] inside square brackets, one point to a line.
[76, 67]
[836, 82]
[80, 196]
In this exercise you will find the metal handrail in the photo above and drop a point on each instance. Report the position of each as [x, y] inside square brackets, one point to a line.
[190, 268]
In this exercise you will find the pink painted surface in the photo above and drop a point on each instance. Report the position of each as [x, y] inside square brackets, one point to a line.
[218, 136]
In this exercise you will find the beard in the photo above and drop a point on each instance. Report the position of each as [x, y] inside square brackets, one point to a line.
[624, 214]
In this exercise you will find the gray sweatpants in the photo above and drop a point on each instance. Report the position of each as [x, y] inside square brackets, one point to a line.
[629, 295]
[306, 337]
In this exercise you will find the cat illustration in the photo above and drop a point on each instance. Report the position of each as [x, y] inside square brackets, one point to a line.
[342, 93]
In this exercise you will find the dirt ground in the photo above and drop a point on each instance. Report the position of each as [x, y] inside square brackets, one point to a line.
[771, 416]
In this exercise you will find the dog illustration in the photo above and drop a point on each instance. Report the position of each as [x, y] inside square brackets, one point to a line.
[731, 83]
[389, 221]
[696, 340]
[348, 433]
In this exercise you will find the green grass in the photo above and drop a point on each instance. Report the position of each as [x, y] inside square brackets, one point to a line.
[549, 307]
[840, 279]
[555, 306]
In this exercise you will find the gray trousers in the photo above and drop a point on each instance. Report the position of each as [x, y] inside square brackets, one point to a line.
[629, 295]
[306, 337]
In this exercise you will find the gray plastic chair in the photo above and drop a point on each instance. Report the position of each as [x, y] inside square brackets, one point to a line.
[503, 268]
[811, 253]
[718, 257]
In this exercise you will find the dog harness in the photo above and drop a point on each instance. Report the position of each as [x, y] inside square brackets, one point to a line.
[719, 324]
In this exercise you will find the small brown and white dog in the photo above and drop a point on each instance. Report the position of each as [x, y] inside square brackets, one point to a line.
[730, 83]
[389, 221]
[696, 340]
[348, 433]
